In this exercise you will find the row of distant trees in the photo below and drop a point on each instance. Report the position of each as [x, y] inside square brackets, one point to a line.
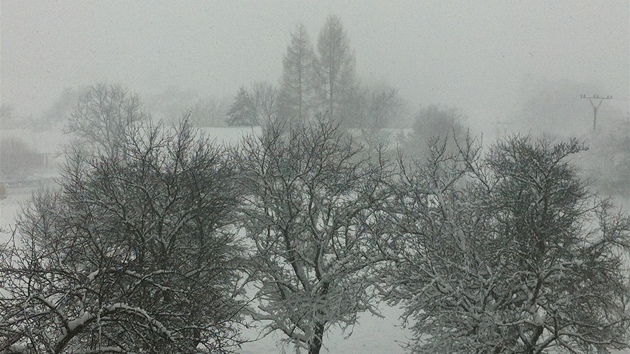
[320, 81]
[160, 241]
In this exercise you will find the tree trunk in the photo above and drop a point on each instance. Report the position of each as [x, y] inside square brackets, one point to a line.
[315, 344]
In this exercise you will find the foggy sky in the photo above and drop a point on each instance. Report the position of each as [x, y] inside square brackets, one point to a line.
[479, 56]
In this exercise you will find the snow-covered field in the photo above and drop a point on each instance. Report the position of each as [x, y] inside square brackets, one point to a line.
[9, 208]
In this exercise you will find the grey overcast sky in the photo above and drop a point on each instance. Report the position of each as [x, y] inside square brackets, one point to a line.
[477, 55]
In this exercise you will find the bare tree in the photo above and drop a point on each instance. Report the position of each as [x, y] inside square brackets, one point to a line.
[209, 112]
[508, 254]
[311, 210]
[135, 253]
[375, 108]
[265, 98]
[103, 115]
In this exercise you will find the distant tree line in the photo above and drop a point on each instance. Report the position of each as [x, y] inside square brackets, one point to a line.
[157, 240]
[318, 81]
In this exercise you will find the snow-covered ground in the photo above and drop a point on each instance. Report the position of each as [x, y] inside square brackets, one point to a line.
[230, 135]
[9, 208]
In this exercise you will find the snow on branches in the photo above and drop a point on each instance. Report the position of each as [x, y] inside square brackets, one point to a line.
[133, 254]
[516, 257]
[312, 211]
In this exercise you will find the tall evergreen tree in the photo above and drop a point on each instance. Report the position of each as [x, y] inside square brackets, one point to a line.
[297, 77]
[253, 106]
[334, 69]
[242, 111]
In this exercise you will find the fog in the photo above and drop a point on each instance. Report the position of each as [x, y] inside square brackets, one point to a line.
[502, 65]
[488, 59]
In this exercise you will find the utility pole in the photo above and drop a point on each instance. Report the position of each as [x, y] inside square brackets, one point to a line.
[596, 106]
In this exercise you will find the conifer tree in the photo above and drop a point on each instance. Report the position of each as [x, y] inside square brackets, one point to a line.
[334, 69]
[297, 77]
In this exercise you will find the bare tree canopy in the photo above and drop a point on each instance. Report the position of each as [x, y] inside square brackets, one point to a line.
[103, 114]
[311, 212]
[254, 106]
[133, 254]
[431, 125]
[509, 254]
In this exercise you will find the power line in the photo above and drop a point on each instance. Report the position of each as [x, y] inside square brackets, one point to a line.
[596, 106]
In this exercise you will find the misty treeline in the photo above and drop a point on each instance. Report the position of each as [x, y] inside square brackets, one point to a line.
[318, 80]
[158, 240]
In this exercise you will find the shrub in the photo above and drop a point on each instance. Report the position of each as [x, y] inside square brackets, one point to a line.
[17, 159]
